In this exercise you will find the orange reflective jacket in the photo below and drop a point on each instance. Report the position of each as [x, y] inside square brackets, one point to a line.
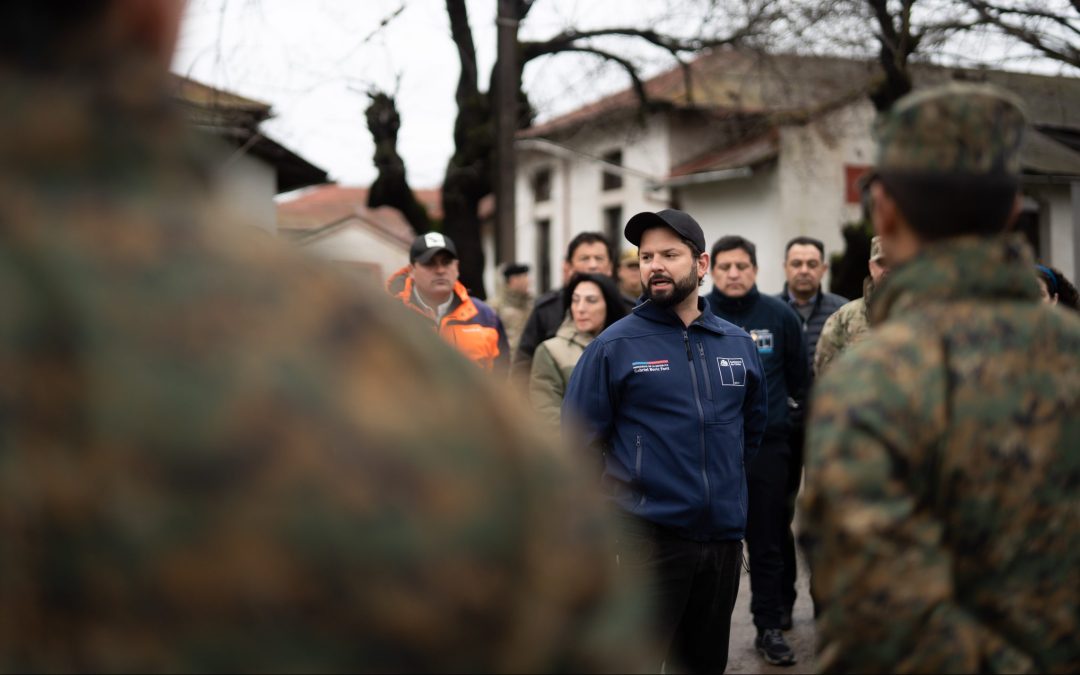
[470, 325]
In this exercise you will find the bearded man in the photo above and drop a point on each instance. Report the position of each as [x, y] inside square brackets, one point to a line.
[674, 400]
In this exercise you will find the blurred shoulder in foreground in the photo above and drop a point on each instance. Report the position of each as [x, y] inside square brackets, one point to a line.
[215, 455]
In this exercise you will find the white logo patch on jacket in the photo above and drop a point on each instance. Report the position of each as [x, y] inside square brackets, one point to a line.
[732, 372]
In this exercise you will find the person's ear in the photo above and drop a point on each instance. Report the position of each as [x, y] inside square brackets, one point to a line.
[1017, 207]
[151, 26]
[885, 213]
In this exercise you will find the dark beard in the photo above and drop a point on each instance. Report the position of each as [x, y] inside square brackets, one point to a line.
[681, 290]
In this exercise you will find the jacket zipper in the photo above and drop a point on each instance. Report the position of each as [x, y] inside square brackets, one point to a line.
[705, 371]
[701, 424]
[637, 469]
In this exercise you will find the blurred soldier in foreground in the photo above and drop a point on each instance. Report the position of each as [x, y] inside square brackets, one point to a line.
[851, 323]
[944, 450]
[215, 456]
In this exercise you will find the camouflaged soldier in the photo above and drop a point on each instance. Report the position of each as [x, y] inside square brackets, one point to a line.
[211, 457]
[944, 450]
[851, 323]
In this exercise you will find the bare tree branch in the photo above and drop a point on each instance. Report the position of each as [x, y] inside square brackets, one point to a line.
[463, 40]
[897, 44]
[635, 78]
[1024, 27]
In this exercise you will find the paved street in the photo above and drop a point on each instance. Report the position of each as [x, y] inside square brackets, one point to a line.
[743, 658]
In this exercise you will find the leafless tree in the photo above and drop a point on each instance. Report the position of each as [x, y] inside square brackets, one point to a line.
[469, 173]
[902, 31]
[896, 31]
[1050, 27]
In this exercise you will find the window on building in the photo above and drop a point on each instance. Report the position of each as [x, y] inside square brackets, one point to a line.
[543, 255]
[613, 227]
[542, 185]
[611, 180]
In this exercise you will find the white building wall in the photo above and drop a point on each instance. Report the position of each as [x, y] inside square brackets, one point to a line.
[804, 193]
[747, 207]
[358, 244]
[812, 182]
[245, 192]
[1058, 229]
[577, 199]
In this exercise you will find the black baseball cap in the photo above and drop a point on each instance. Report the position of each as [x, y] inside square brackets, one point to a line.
[677, 220]
[427, 245]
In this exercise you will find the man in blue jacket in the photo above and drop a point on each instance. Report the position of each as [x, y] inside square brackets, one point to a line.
[675, 399]
[776, 330]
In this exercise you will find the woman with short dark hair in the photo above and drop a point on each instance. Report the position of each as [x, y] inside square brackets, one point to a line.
[593, 303]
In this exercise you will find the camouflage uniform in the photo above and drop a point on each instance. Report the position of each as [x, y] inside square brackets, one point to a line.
[849, 324]
[942, 492]
[513, 308]
[216, 456]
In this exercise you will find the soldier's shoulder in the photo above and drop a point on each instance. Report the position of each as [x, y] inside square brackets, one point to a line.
[852, 313]
[899, 352]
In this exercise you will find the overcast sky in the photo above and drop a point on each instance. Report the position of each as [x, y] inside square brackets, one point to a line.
[314, 61]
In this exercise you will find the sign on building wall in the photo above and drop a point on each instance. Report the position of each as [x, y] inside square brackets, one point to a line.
[852, 174]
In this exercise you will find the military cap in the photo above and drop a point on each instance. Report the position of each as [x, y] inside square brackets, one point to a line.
[629, 256]
[514, 269]
[959, 129]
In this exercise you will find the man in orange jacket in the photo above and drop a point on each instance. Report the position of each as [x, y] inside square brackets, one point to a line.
[430, 286]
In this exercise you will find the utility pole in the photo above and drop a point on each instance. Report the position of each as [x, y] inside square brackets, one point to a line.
[505, 127]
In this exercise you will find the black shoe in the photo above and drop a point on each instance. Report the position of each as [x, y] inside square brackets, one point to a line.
[785, 620]
[773, 648]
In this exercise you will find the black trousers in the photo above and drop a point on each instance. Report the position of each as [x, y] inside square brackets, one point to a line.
[692, 587]
[766, 525]
[794, 480]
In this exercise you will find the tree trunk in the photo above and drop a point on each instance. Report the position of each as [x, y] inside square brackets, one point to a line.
[391, 188]
[468, 174]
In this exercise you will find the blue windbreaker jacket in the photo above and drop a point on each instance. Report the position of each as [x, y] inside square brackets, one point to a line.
[678, 412]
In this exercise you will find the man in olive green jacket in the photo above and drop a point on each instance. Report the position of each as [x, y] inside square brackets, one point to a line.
[552, 365]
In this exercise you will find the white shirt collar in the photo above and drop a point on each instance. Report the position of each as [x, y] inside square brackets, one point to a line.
[439, 311]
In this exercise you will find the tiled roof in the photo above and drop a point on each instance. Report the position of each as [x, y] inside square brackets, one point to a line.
[747, 154]
[330, 204]
[1043, 155]
[237, 119]
[744, 82]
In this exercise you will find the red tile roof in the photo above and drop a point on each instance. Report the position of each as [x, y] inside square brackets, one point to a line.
[329, 204]
[747, 154]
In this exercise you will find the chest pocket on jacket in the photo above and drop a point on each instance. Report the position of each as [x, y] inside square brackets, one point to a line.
[477, 343]
[724, 385]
